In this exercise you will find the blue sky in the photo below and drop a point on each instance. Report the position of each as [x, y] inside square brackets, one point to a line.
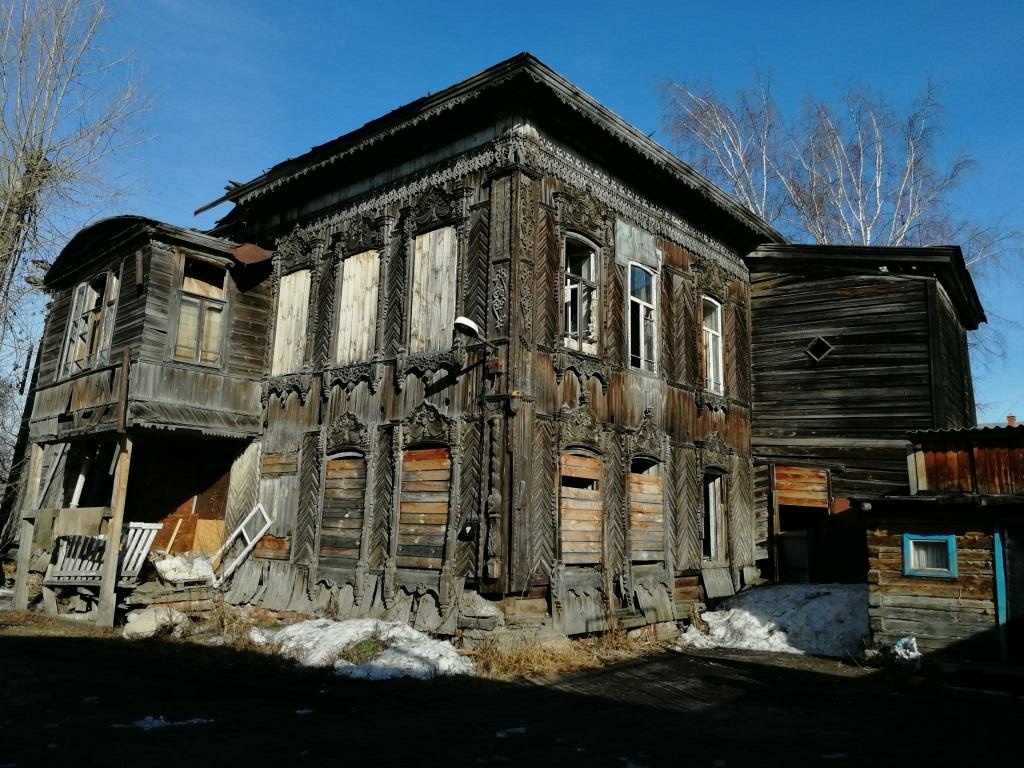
[239, 86]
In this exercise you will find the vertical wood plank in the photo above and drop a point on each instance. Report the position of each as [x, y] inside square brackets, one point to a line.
[108, 587]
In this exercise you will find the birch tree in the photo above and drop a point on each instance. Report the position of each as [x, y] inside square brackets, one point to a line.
[67, 106]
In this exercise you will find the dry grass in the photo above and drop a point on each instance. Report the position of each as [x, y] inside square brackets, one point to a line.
[527, 659]
[364, 651]
[32, 624]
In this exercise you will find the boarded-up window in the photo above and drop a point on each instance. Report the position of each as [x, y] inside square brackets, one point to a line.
[357, 314]
[434, 269]
[290, 328]
[646, 512]
[201, 302]
[714, 517]
[342, 523]
[93, 309]
[279, 492]
[423, 509]
[580, 510]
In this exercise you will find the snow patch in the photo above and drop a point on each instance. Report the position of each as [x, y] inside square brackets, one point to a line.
[178, 568]
[408, 653]
[817, 619]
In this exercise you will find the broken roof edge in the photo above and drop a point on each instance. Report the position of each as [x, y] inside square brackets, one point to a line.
[427, 107]
[947, 261]
[116, 230]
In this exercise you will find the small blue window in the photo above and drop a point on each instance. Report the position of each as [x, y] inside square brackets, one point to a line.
[929, 555]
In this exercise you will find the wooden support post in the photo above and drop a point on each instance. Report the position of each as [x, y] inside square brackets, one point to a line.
[31, 501]
[108, 587]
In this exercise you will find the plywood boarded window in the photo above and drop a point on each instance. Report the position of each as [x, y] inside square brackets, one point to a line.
[582, 523]
[290, 328]
[342, 522]
[423, 507]
[434, 270]
[646, 512]
[201, 303]
[93, 309]
[714, 517]
[357, 308]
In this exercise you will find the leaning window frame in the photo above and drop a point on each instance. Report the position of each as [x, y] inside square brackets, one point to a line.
[203, 301]
[935, 573]
[648, 362]
[101, 329]
[715, 386]
[570, 339]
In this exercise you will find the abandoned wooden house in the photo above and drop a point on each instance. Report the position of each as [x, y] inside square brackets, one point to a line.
[947, 561]
[852, 348]
[496, 341]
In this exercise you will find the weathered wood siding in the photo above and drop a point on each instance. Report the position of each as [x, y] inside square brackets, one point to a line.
[357, 309]
[953, 615]
[291, 323]
[342, 517]
[581, 520]
[423, 507]
[646, 517]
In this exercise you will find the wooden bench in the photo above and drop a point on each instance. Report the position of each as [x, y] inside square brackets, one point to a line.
[77, 559]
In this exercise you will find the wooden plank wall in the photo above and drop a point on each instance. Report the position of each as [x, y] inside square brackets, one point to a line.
[434, 272]
[290, 325]
[951, 370]
[942, 614]
[423, 507]
[342, 516]
[646, 517]
[357, 308]
[581, 521]
[801, 487]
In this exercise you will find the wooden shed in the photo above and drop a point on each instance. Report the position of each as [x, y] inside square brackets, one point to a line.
[946, 563]
[852, 347]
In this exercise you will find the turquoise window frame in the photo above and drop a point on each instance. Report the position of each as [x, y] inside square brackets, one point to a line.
[935, 573]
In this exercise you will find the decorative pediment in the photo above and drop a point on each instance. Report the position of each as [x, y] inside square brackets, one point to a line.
[714, 452]
[711, 279]
[426, 424]
[346, 431]
[585, 366]
[647, 439]
[710, 401]
[295, 251]
[436, 207]
[348, 376]
[358, 234]
[581, 212]
[299, 383]
[579, 426]
[424, 365]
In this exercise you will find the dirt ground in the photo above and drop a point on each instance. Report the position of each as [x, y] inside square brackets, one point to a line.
[71, 695]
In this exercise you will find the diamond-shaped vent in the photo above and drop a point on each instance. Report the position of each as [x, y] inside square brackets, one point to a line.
[818, 349]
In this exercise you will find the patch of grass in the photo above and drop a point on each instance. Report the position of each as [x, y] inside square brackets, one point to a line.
[528, 659]
[364, 651]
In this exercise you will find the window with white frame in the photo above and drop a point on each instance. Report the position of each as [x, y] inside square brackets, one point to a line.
[91, 326]
[929, 555]
[641, 318]
[714, 367]
[579, 299]
[202, 299]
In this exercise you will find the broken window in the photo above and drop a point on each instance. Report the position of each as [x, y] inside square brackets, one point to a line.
[201, 303]
[434, 270]
[714, 378]
[641, 318]
[357, 307]
[91, 328]
[714, 516]
[290, 328]
[579, 324]
[581, 520]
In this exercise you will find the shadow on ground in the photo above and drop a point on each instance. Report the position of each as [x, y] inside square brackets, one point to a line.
[65, 700]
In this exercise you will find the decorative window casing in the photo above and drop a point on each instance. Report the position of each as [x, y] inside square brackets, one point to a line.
[642, 318]
[434, 288]
[929, 555]
[91, 325]
[292, 320]
[712, 344]
[357, 308]
[580, 296]
[202, 302]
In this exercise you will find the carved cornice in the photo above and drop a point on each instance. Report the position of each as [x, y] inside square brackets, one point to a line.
[359, 233]
[347, 376]
[581, 212]
[346, 432]
[579, 426]
[710, 279]
[712, 451]
[296, 250]
[707, 400]
[585, 367]
[425, 364]
[426, 424]
[299, 383]
[436, 207]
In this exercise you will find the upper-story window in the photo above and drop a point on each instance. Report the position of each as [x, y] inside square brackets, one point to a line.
[201, 302]
[290, 327]
[641, 318]
[579, 300]
[91, 325]
[357, 307]
[714, 367]
[432, 310]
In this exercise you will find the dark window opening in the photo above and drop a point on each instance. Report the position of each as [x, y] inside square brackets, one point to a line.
[818, 349]
[579, 299]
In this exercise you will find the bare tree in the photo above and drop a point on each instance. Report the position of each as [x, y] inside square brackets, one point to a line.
[854, 173]
[67, 105]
